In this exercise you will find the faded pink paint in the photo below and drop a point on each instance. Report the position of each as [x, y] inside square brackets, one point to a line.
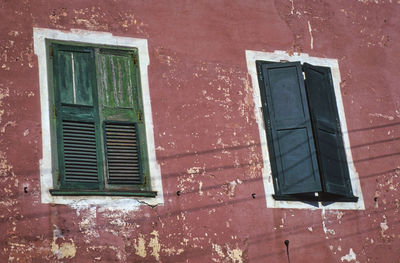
[197, 61]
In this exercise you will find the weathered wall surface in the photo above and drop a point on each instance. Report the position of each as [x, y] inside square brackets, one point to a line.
[205, 133]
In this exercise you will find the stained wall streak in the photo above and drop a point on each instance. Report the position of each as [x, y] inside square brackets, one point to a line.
[206, 134]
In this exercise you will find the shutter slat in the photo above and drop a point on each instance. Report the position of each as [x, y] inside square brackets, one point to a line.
[123, 164]
[80, 155]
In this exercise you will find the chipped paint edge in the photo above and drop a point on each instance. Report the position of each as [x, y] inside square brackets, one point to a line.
[277, 56]
[46, 179]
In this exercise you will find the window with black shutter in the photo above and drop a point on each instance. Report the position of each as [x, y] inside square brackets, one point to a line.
[99, 132]
[305, 144]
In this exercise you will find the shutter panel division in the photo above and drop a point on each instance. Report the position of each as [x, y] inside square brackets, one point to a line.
[291, 144]
[75, 84]
[80, 155]
[122, 153]
[118, 84]
[77, 122]
[326, 125]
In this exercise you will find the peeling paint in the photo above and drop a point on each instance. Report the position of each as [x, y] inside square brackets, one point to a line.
[155, 245]
[63, 249]
[140, 247]
[349, 257]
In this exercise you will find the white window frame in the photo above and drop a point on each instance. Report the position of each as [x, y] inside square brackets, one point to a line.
[282, 56]
[41, 35]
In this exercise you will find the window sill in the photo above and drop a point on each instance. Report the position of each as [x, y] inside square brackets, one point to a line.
[315, 198]
[58, 192]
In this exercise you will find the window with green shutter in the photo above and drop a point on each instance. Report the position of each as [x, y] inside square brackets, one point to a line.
[307, 156]
[99, 130]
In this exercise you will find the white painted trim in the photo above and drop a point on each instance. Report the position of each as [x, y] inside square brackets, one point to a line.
[40, 36]
[277, 56]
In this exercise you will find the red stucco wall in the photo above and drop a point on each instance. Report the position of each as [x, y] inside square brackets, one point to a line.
[206, 134]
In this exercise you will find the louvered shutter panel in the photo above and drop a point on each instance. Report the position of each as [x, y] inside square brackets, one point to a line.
[77, 124]
[290, 138]
[124, 132]
[331, 154]
[122, 153]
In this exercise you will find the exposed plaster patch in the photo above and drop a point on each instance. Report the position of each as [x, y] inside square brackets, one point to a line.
[4, 92]
[159, 148]
[91, 18]
[200, 186]
[246, 105]
[128, 20]
[230, 187]
[155, 245]
[88, 224]
[327, 231]
[227, 254]
[311, 36]
[349, 257]
[384, 226]
[379, 115]
[172, 251]
[140, 246]
[9, 123]
[63, 250]
[193, 170]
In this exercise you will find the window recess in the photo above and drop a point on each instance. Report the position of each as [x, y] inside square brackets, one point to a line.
[98, 126]
[305, 145]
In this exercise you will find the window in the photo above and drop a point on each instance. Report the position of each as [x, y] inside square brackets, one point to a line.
[97, 129]
[99, 126]
[304, 137]
[303, 133]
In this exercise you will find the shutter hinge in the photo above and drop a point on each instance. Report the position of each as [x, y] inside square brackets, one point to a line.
[58, 177]
[140, 116]
[338, 125]
[268, 124]
[134, 60]
[144, 179]
[54, 111]
[51, 52]
[260, 75]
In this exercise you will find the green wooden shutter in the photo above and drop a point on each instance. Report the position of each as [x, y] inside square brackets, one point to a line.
[124, 131]
[77, 123]
[331, 154]
[291, 145]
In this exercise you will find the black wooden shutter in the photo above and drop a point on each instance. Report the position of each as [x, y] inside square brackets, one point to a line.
[329, 143]
[291, 144]
[77, 123]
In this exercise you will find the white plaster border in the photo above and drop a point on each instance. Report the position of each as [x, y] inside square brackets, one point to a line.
[40, 36]
[277, 56]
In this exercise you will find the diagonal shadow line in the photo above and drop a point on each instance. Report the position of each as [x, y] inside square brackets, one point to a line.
[375, 142]
[299, 229]
[351, 235]
[377, 157]
[161, 158]
[374, 127]
[261, 238]
[380, 173]
[182, 155]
